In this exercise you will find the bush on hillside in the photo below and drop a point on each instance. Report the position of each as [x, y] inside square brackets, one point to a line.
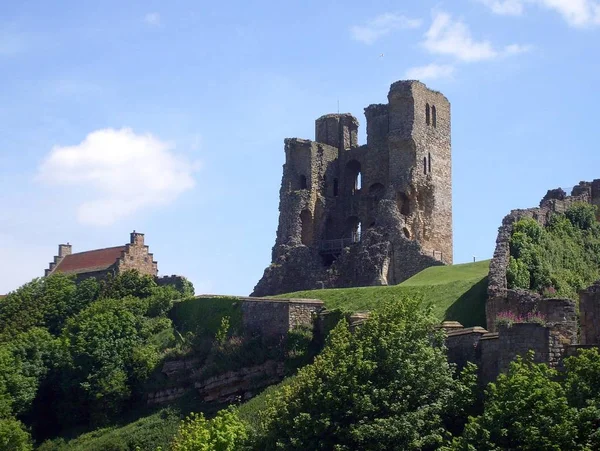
[387, 386]
[560, 259]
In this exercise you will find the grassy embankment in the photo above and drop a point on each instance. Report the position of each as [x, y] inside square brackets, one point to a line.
[457, 293]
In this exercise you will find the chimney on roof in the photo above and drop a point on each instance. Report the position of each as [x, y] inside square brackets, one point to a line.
[137, 238]
[64, 250]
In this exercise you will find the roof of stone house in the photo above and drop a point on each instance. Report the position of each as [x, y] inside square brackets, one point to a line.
[90, 261]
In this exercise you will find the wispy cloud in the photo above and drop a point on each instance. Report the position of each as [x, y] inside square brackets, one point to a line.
[152, 19]
[577, 13]
[126, 172]
[504, 7]
[451, 37]
[382, 25]
[430, 72]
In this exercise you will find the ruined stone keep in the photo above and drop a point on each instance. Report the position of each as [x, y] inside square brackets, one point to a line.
[99, 263]
[373, 214]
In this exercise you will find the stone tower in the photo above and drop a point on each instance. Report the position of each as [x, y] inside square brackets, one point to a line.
[374, 214]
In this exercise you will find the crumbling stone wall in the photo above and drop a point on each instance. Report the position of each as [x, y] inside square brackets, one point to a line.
[500, 298]
[589, 309]
[493, 352]
[276, 317]
[403, 203]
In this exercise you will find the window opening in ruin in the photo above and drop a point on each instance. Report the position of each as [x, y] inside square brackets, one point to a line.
[406, 233]
[434, 116]
[429, 162]
[424, 165]
[372, 225]
[328, 259]
[335, 187]
[303, 184]
[353, 176]
[353, 229]
[306, 220]
[427, 114]
[403, 203]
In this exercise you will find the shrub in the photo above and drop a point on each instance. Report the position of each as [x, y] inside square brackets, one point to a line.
[510, 318]
[13, 436]
[225, 432]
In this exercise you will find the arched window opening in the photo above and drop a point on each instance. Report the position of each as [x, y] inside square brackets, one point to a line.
[406, 233]
[424, 165]
[353, 176]
[403, 203]
[307, 229]
[427, 114]
[303, 184]
[353, 229]
[429, 163]
[434, 116]
[335, 187]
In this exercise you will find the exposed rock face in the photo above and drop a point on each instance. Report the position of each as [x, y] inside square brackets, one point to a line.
[375, 214]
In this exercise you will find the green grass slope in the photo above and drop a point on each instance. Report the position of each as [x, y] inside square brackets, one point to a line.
[457, 293]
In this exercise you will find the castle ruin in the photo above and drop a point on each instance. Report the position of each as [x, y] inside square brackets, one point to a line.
[374, 214]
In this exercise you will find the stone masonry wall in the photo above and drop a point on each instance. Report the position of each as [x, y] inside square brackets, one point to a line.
[589, 309]
[500, 298]
[137, 256]
[276, 317]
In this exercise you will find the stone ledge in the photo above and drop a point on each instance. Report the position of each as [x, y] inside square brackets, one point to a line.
[468, 330]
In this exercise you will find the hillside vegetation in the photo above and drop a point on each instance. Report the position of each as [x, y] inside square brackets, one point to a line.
[557, 260]
[456, 293]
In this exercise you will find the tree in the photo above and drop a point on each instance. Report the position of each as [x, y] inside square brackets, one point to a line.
[385, 387]
[524, 409]
[13, 436]
[225, 432]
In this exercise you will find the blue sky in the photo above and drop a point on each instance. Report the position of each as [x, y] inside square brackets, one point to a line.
[170, 118]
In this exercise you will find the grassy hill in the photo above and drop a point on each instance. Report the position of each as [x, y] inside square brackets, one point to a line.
[457, 293]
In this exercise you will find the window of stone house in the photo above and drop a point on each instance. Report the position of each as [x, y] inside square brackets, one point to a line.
[424, 165]
[335, 187]
[427, 114]
[429, 163]
[434, 116]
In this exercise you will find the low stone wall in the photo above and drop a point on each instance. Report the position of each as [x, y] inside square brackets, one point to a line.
[276, 317]
[589, 309]
[492, 352]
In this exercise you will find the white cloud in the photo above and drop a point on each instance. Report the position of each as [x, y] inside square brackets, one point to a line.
[577, 13]
[152, 19]
[450, 37]
[505, 7]
[382, 25]
[125, 171]
[430, 72]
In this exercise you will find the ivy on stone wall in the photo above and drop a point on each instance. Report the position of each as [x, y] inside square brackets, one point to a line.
[559, 259]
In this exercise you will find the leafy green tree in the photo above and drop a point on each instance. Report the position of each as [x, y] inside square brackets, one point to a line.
[129, 283]
[13, 436]
[44, 302]
[225, 432]
[385, 387]
[24, 362]
[582, 215]
[524, 409]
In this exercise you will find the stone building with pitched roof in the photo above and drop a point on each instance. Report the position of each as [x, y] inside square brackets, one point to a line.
[99, 263]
